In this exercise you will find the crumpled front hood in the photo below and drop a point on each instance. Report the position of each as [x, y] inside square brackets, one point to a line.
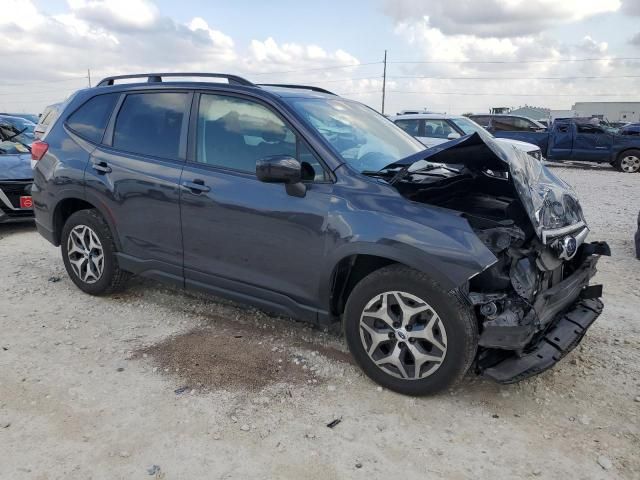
[16, 167]
[551, 204]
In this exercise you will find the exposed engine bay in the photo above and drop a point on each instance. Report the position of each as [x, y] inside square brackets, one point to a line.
[533, 224]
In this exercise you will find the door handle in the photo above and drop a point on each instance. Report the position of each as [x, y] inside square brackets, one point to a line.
[102, 167]
[197, 186]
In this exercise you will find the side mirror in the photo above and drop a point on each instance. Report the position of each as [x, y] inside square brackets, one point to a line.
[453, 136]
[282, 169]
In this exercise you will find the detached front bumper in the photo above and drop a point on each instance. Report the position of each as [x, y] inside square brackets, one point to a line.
[562, 315]
[559, 341]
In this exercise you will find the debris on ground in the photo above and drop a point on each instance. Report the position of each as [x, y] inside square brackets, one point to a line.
[335, 422]
[604, 462]
[153, 469]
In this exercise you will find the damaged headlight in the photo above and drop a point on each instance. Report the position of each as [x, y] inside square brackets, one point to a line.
[537, 154]
[559, 212]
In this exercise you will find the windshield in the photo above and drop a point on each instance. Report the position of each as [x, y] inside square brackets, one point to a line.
[362, 137]
[469, 126]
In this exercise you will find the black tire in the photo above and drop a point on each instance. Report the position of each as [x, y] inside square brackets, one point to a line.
[618, 164]
[113, 278]
[457, 319]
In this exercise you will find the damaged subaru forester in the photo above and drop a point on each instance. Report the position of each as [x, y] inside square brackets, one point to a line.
[468, 255]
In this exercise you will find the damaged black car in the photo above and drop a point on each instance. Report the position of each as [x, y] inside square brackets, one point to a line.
[466, 255]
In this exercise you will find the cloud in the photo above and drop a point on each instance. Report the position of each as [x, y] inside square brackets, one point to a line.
[450, 76]
[118, 15]
[497, 18]
[50, 53]
[635, 40]
[631, 7]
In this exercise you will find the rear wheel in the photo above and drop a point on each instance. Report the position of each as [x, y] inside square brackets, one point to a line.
[408, 334]
[629, 161]
[88, 252]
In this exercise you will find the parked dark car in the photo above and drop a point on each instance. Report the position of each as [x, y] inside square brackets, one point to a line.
[580, 139]
[306, 204]
[508, 123]
[16, 177]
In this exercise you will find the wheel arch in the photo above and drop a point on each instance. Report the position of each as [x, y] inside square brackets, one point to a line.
[70, 205]
[358, 261]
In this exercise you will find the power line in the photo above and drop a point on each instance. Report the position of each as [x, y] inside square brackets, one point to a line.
[556, 60]
[592, 77]
[515, 94]
[43, 82]
[315, 69]
[21, 92]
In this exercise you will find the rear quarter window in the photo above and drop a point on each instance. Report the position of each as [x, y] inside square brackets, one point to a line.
[90, 120]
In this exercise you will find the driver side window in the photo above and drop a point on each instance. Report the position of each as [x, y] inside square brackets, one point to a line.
[235, 133]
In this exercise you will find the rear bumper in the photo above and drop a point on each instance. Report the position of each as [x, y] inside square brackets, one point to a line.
[46, 233]
[559, 341]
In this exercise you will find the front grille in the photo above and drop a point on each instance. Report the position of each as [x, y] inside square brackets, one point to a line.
[13, 190]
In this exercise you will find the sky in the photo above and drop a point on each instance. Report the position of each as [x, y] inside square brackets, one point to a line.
[452, 56]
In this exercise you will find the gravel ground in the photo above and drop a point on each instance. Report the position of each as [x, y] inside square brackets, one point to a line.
[156, 383]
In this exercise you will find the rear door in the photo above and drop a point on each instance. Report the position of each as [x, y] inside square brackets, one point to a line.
[592, 143]
[244, 237]
[135, 176]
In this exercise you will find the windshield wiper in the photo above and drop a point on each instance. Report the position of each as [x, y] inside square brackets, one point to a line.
[16, 134]
[13, 139]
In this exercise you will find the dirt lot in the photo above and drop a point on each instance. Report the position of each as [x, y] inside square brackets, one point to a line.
[155, 383]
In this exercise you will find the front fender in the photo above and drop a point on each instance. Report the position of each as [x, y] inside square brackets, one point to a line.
[442, 244]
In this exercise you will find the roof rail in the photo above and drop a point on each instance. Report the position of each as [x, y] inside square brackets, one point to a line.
[302, 87]
[157, 77]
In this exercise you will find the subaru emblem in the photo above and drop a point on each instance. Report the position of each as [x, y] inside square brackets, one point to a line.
[570, 246]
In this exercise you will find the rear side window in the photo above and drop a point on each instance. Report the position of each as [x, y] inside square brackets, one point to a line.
[410, 125]
[437, 129]
[481, 120]
[151, 123]
[90, 120]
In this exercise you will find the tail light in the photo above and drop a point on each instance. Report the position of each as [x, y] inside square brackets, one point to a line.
[38, 149]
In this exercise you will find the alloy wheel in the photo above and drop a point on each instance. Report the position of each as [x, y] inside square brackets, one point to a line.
[403, 335]
[630, 164]
[85, 254]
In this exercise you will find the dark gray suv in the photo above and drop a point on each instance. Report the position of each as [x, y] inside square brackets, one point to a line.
[306, 204]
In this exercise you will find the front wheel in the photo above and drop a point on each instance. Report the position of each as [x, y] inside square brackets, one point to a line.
[88, 252]
[628, 162]
[407, 334]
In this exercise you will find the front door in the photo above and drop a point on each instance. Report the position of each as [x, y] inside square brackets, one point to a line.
[242, 235]
[592, 143]
[561, 140]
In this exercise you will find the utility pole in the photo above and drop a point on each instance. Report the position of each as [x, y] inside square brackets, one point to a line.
[89, 76]
[384, 80]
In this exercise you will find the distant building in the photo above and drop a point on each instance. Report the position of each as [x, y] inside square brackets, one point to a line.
[611, 111]
[500, 110]
[534, 113]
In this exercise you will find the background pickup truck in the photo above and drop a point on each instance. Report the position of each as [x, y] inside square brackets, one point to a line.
[578, 139]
